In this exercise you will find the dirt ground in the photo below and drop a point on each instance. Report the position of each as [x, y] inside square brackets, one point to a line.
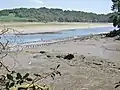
[95, 65]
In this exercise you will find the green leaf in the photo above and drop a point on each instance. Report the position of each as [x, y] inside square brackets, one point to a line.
[117, 86]
[12, 84]
[21, 82]
[26, 75]
[7, 85]
[19, 76]
[17, 82]
[13, 72]
[29, 79]
[10, 77]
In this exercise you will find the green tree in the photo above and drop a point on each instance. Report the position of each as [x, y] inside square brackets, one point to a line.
[54, 15]
[116, 16]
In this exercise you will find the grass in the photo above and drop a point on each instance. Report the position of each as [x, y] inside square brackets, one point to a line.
[11, 18]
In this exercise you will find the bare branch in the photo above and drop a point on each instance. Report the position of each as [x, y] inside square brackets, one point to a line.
[5, 67]
[3, 56]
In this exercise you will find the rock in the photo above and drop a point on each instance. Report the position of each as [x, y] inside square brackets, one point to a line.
[30, 63]
[35, 56]
[48, 56]
[82, 57]
[69, 56]
[58, 56]
[42, 52]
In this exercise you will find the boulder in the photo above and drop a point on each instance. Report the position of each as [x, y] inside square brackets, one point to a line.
[69, 56]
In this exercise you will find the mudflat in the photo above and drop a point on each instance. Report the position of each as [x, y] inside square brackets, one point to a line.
[36, 27]
[95, 66]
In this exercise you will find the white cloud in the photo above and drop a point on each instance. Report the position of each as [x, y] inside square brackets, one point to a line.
[37, 1]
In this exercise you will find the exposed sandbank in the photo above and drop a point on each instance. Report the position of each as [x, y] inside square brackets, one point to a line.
[51, 27]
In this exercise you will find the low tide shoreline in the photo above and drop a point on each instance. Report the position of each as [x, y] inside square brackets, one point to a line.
[50, 30]
[36, 44]
[38, 28]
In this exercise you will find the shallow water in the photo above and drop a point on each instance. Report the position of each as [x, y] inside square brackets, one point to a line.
[57, 35]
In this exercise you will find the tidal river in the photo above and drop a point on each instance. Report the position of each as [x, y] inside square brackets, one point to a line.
[56, 35]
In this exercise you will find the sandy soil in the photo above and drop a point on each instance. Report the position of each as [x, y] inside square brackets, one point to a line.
[96, 64]
[50, 27]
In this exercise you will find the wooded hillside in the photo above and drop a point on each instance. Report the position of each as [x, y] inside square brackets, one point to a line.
[51, 15]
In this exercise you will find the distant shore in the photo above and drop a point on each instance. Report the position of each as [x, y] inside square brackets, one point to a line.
[35, 27]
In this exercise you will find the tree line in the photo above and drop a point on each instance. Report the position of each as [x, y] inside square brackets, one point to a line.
[44, 14]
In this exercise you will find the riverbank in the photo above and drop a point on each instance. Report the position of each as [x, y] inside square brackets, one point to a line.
[95, 66]
[26, 28]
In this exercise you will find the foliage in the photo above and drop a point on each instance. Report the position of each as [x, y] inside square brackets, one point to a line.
[12, 17]
[69, 56]
[13, 78]
[52, 15]
[113, 33]
[116, 16]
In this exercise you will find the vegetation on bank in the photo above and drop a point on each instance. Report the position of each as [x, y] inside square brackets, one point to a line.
[115, 19]
[51, 15]
[12, 17]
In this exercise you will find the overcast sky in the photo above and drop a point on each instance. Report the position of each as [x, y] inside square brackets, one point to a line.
[96, 6]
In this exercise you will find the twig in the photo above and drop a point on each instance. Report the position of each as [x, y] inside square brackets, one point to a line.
[5, 67]
[4, 56]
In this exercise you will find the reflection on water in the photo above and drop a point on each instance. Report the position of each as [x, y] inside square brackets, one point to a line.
[57, 35]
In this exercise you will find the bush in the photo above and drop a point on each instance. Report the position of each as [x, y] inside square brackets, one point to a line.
[113, 33]
[69, 56]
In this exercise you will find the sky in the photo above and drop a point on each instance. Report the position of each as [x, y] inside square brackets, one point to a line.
[95, 6]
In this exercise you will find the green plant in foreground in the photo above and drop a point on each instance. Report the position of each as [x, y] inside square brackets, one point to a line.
[14, 78]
